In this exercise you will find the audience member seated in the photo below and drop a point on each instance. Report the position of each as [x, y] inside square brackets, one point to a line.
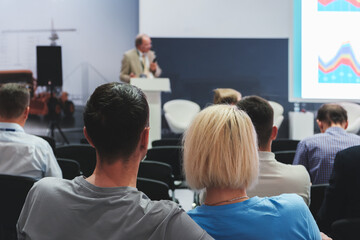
[21, 153]
[343, 194]
[220, 155]
[107, 205]
[226, 96]
[317, 152]
[274, 177]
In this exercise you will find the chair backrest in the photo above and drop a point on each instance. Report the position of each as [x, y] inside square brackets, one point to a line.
[171, 155]
[155, 190]
[84, 141]
[50, 140]
[286, 157]
[346, 229]
[14, 190]
[353, 113]
[179, 114]
[157, 171]
[278, 113]
[317, 193]
[84, 154]
[70, 168]
[166, 142]
[284, 145]
[178, 107]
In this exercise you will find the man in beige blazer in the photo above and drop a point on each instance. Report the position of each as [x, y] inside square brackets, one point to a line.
[140, 61]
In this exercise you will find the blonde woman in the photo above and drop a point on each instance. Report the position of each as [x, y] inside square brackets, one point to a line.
[220, 155]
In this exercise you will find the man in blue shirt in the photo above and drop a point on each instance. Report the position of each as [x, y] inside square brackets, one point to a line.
[317, 153]
[22, 154]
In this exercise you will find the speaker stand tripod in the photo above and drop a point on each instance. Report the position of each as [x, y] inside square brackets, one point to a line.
[55, 124]
[54, 115]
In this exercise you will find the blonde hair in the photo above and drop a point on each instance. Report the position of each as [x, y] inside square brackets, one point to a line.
[220, 149]
[226, 95]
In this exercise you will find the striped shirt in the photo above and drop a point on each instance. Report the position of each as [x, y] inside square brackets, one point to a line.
[317, 153]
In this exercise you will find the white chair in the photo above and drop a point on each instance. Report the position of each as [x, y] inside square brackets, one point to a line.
[278, 113]
[179, 113]
[353, 113]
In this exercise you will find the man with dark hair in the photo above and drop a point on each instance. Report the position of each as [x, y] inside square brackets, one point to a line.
[274, 177]
[139, 61]
[342, 196]
[317, 152]
[21, 153]
[107, 205]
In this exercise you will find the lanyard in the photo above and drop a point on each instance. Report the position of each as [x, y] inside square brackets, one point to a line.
[8, 129]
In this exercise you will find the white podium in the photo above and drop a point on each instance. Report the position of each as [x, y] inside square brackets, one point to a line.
[152, 87]
[301, 125]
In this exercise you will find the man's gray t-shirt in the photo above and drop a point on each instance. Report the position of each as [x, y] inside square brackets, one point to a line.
[63, 209]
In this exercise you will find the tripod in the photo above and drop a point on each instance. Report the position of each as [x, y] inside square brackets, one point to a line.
[52, 126]
[54, 115]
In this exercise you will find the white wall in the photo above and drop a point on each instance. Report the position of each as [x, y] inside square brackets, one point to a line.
[219, 19]
[216, 18]
[105, 29]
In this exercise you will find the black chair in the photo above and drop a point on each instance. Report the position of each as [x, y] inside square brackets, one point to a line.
[155, 190]
[84, 141]
[284, 145]
[286, 157]
[14, 190]
[158, 171]
[346, 229]
[317, 193]
[166, 142]
[84, 154]
[70, 168]
[50, 140]
[171, 155]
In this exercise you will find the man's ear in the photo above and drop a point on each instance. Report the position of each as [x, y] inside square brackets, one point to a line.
[144, 138]
[320, 124]
[26, 112]
[87, 137]
[346, 125]
[274, 133]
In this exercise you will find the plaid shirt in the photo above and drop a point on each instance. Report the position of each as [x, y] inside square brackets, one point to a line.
[317, 153]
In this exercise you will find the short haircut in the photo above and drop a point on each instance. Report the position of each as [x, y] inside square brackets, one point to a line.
[220, 149]
[226, 96]
[139, 39]
[14, 99]
[332, 113]
[114, 117]
[262, 116]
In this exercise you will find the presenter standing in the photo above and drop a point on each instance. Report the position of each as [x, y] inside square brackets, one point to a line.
[140, 61]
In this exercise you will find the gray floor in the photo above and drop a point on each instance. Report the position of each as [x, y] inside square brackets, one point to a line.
[185, 197]
[72, 127]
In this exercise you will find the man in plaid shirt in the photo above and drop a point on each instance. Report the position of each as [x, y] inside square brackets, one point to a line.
[317, 153]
